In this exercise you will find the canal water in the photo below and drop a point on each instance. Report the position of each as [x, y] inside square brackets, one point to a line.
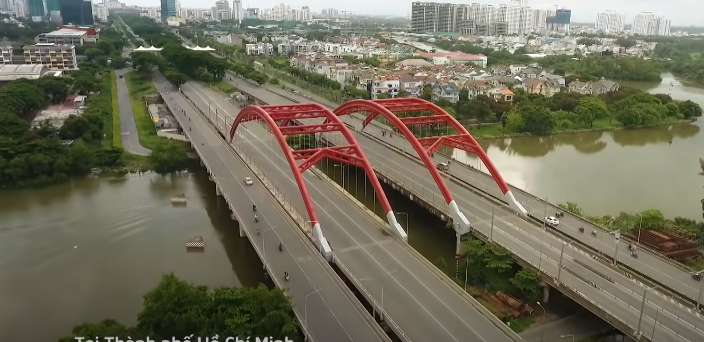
[611, 172]
[89, 249]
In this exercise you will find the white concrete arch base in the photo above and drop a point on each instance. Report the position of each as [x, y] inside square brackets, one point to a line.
[395, 227]
[322, 243]
[514, 204]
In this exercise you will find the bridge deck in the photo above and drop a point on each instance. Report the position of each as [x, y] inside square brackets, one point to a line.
[622, 297]
[334, 314]
[415, 297]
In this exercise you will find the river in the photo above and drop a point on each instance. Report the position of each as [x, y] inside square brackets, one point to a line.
[89, 249]
[611, 172]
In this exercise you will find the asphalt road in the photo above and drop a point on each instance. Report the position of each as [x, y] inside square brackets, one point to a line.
[128, 127]
[649, 264]
[333, 313]
[414, 297]
[620, 296]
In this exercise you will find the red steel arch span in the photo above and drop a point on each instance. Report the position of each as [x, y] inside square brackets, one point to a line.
[279, 118]
[425, 147]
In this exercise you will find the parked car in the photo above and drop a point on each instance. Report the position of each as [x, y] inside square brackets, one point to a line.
[248, 181]
[551, 220]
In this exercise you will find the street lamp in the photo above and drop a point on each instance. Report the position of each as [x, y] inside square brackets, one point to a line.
[642, 307]
[701, 287]
[408, 229]
[545, 317]
[263, 247]
[640, 225]
[383, 312]
[491, 231]
[305, 308]
[568, 335]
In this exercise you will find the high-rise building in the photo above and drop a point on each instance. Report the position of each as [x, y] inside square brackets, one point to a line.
[76, 12]
[476, 19]
[222, 10]
[37, 9]
[610, 22]
[237, 13]
[52, 6]
[650, 24]
[560, 21]
[168, 9]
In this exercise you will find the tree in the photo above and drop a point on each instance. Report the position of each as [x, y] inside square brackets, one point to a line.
[590, 108]
[12, 126]
[527, 283]
[177, 308]
[689, 109]
[85, 85]
[167, 159]
[441, 264]
[536, 119]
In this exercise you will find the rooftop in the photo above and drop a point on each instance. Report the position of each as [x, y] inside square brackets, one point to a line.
[66, 32]
[11, 72]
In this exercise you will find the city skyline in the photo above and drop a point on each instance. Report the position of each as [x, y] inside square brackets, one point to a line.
[581, 12]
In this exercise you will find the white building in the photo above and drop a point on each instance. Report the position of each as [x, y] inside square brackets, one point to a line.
[237, 13]
[260, 49]
[100, 12]
[610, 22]
[650, 24]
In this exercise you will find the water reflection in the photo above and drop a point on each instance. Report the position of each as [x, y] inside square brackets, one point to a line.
[654, 135]
[585, 143]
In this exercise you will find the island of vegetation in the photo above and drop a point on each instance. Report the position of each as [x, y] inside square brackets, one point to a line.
[176, 308]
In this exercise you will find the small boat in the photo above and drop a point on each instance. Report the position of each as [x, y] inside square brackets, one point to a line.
[179, 200]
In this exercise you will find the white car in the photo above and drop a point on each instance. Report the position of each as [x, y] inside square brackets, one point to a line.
[551, 221]
[248, 180]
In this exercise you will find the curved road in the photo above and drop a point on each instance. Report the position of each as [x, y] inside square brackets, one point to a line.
[128, 127]
[334, 314]
[619, 295]
[670, 275]
[416, 298]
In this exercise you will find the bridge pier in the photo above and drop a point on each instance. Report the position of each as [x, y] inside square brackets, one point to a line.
[546, 292]
[234, 218]
[217, 190]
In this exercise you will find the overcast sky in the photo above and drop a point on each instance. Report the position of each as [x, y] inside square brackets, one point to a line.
[681, 12]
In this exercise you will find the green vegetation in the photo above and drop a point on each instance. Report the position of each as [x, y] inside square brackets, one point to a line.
[107, 52]
[34, 156]
[682, 57]
[222, 87]
[139, 87]
[650, 219]
[177, 308]
[24, 35]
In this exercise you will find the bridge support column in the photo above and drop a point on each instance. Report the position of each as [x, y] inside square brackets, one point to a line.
[217, 190]
[201, 163]
[242, 233]
[546, 292]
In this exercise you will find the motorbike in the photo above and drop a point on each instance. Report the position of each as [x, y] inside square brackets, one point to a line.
[581, 229]
[281, 248]
[559, 214]
[593, 232]
[631, 248]
[256, 219]
[634, 254]
[697, 276]
[286, 276]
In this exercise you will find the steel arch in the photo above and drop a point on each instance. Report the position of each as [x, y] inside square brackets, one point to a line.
[280, 120]
[425, 147]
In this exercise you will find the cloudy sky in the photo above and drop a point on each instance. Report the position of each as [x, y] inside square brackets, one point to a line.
[681, 12]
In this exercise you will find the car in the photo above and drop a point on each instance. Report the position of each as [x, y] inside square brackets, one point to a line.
[442, 166]
[551, 220]
[248, 180]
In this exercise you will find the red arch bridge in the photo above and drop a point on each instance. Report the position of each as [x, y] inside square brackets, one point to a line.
[402, 113]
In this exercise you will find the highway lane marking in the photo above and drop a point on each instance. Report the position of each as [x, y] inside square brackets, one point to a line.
[364, 246]
[216, 102]
[306, 244]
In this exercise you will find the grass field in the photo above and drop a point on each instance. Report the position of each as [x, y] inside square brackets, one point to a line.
[113, 137]
[139, 87]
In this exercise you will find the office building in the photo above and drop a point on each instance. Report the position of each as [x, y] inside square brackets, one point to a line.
[76, 12]
[52, 6]
[650, 24]
[222, 10]
[237, 12]
[37, 9]
[55, 57]
[63, 37]
[560, 21]
[168, 10]
[610, 22]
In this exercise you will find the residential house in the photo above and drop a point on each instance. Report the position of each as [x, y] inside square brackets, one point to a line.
[385, 85]
[538, 87]
[530, 73]
[604, 86]
[500, 70]
[506, 81]
[516, 68]
[413, 85]
[476, 88]
[545, 76]
[500, 94]
[584, 88]
[446, 91]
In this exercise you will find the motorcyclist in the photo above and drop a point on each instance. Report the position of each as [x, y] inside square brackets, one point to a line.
[286, 275]
[281, 247]
[256, 218]
[254, 207]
